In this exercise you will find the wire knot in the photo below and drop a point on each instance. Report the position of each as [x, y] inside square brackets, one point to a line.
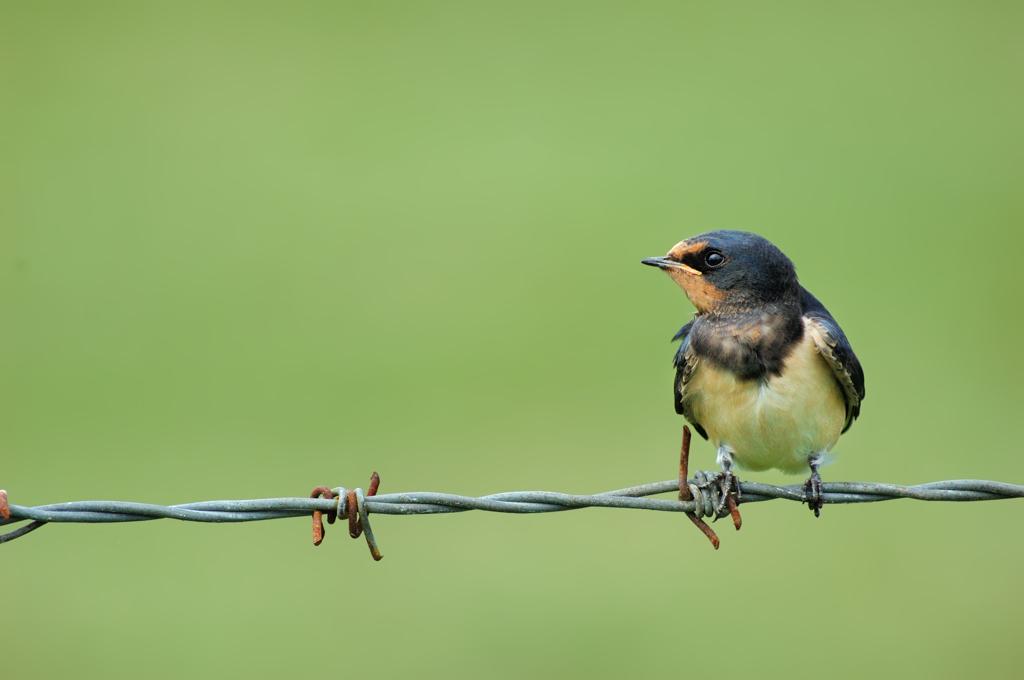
[706, 494]
[351, 505]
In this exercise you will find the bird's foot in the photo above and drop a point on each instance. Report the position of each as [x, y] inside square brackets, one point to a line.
[813, 493]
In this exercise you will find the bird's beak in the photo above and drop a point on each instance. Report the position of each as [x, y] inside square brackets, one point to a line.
[659, 262]
[667, 263]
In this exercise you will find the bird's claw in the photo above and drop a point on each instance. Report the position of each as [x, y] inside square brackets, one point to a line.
[813, 493]
[724, 489]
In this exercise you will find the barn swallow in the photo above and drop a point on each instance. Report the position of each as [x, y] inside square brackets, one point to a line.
[763, 371]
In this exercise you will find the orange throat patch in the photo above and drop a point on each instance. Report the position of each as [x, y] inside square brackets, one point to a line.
[701, 292]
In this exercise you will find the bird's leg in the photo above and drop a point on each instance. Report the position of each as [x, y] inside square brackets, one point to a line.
[812, 488]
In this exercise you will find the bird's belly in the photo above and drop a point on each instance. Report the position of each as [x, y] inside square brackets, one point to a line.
[779, 422]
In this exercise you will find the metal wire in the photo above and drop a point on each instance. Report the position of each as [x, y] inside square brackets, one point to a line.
[428, 503]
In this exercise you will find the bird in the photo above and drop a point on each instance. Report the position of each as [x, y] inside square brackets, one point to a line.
[763, 371]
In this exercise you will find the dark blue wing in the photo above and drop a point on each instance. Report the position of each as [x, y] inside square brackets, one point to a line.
[837, 352]
[684, 362]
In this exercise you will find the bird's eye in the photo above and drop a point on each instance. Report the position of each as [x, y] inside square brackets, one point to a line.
[714, 259]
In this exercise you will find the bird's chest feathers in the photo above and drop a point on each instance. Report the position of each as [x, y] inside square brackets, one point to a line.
[775, 421]
[751, 345]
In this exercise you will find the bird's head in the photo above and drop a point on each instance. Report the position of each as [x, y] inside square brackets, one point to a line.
[727, 269]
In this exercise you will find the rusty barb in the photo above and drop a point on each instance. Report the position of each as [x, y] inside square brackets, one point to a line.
[707, 495]
[711, 492]
[351, 504]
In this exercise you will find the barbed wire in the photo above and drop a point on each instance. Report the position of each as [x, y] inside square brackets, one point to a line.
[356, 506]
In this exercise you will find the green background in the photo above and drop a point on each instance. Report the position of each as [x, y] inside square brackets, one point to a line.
[250, 248]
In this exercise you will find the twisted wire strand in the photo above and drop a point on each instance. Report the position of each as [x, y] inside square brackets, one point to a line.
[703, 504]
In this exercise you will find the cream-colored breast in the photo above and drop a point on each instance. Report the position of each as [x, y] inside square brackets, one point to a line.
[776, 423]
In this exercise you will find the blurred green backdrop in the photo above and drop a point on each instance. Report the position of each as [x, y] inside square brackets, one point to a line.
[248, 248]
